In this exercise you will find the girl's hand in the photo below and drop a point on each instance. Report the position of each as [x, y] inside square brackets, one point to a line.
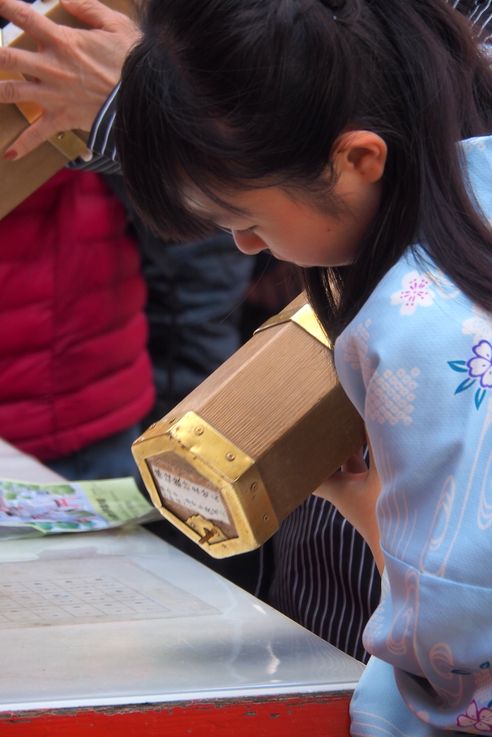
[73, 70]
[354, 491]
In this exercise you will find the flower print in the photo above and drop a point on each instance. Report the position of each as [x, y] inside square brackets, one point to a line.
[473, 143]
[479, 719]
[479, 325]
[481, 366]
[416, 292]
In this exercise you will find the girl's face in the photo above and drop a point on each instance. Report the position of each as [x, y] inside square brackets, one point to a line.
[270, 219]
[292, 230]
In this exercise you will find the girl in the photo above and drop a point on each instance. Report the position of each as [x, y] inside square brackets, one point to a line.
[351, 137]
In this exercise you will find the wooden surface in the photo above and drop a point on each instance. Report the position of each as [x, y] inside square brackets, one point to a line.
[19, 179]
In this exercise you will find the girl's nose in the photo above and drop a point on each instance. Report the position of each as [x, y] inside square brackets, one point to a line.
[248, 242]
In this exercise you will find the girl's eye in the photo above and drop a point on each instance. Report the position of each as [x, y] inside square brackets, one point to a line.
[247, 230]
[230, 231]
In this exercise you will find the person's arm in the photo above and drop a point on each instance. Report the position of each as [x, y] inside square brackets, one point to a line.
[72, 74]
[354, 491]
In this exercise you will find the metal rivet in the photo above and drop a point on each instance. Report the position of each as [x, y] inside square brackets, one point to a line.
[60, 136]
[265, 518]
[253, 486]
[198, 430]
[230, 456]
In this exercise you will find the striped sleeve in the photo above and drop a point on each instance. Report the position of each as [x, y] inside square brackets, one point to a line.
[101, 141]
[479, 12]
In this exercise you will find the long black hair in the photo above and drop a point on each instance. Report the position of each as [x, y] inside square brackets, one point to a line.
[230, 93]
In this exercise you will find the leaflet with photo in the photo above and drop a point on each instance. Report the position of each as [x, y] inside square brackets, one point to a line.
[28, 509]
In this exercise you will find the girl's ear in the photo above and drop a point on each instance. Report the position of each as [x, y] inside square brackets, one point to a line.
[360, 153]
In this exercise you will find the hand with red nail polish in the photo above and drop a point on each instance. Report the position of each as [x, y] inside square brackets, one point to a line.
[73, 70]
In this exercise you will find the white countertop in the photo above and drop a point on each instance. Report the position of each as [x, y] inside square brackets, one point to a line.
[121, 617]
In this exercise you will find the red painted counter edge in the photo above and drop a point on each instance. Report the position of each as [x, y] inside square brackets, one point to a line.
[311, 715]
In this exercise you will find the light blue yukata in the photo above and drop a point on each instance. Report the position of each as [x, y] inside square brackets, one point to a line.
[417, 364]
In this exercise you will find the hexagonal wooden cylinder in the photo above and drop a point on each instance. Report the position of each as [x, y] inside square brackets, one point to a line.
[254, 440]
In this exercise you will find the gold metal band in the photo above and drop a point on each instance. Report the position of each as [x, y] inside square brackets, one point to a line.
[305, 317]
[70, 145]
[228, 469]
[202, 440]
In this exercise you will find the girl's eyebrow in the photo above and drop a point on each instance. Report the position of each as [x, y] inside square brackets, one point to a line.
[216, 214]
[227, 210]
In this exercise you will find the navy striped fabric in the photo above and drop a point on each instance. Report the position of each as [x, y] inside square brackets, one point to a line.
[323, 575]
[479, 12]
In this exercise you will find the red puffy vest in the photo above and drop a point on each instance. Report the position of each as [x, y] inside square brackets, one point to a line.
[73, 362]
